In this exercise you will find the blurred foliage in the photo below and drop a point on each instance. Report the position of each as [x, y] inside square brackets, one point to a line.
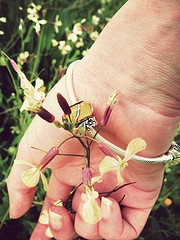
[44, 37]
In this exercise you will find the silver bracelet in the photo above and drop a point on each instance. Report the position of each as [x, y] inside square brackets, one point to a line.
[172, 156]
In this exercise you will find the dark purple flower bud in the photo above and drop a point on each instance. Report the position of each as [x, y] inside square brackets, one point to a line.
[49, 157]
[106, 116]
[106, 150]
[63, 104]
[44, 114]
[86, 176]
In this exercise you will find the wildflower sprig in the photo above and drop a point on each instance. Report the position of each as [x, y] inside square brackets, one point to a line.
[77, 119]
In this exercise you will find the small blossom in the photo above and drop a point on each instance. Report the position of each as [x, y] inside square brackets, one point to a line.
[64, 48]
[73, 37]
[22, 58]
[91, 212]
[77, 29]
[80, 43]
[94, 35]
[32, 176]
[117, 164]
[57, 24]
[34, 97]
[95, 20]
[54, 43]
[33, 15]
[3, 19]
[110, 105]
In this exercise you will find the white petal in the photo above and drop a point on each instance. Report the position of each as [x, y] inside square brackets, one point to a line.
[45, 182]
[31, 177]
[108, 164]
[44, 217]
[16, 161]
[49, 233]
[136, 145]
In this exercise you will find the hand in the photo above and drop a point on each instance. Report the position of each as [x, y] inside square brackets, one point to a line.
[129, 58]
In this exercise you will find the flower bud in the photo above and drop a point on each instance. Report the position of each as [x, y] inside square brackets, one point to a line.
[110, 105]
[63, 104]
[86, 176]
[15, 66]
[106, 116]
[58, 124]
[44, 114]
[106, 150]
[49, 157]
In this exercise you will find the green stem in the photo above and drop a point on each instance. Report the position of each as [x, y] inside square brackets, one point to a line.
[11, 75]
[37, 59]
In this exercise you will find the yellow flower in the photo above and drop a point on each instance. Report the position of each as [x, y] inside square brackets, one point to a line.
[65, 48]
[57, 24]
[117, 164]
[34, 97]
[32, 176]
[91, 212]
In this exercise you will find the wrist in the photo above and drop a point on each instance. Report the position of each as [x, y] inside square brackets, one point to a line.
[129, 120]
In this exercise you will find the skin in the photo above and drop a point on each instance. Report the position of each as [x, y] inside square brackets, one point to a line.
[137, 54]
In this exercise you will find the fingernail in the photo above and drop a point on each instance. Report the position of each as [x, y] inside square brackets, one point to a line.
[106, 207]
[55, 220]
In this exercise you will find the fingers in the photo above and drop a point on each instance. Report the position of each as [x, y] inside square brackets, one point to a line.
[55, 219]
[20, 196]
[116, 223]
[122, 224]
[85, 230]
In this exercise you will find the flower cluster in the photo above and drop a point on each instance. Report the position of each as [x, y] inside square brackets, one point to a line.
[2, 20]
[77, 119]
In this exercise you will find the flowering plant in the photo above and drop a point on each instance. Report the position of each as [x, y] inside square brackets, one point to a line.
[77, 120]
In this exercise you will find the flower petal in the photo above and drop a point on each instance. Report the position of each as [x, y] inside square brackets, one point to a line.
[119, 178]
[96, 179]
[91, 212]
[31, 177]
[45, 182]
[108, 164]
[49, 233]
[135, 145]
[44, 217]
[16, 161]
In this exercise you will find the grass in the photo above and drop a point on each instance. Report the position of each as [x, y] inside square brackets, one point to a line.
[46, 52]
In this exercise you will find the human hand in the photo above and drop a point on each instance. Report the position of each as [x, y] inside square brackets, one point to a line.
[130, 119]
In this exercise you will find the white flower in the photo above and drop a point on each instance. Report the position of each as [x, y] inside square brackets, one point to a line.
[64, 48]
[117, 164]
[34, 97]
[32, 176]
[91, 212]
[95, 19]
